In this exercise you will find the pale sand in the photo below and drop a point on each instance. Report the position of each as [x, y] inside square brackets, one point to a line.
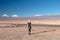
[14, 33]
[43, 33]
[38, 33]
[56, 22]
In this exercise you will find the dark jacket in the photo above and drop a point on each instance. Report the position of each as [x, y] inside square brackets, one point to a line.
[29, 25]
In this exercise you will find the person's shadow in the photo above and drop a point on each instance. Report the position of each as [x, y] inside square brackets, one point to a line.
[43, 31]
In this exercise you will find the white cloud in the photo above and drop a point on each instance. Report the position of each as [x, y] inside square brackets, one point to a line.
[56, 14]
[53, 14]
[48, 14]
[37, 15]
[14, 16]
[5, 15]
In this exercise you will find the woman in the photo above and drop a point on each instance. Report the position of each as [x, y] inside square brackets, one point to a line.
[29, 27]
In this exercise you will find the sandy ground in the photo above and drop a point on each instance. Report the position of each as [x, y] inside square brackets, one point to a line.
[38, 33]
[56, 22]
[43, 33]
[11, 34]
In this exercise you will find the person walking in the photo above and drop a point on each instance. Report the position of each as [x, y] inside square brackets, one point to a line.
[29, 27]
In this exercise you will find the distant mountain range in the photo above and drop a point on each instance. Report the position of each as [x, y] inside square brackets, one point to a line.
[46, 17]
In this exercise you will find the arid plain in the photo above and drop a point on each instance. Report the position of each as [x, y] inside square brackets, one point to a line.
[41, 30]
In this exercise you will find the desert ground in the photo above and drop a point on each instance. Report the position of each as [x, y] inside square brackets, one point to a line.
[41, 30]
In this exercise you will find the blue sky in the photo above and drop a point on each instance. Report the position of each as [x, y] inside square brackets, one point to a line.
[29, 7]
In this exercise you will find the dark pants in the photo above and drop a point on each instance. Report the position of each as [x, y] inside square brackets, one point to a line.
[29, 30]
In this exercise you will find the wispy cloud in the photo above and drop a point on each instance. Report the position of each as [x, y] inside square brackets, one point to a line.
[56, 14]
[53, 14]
[5, 15]
[37, 15]
[14, 16]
